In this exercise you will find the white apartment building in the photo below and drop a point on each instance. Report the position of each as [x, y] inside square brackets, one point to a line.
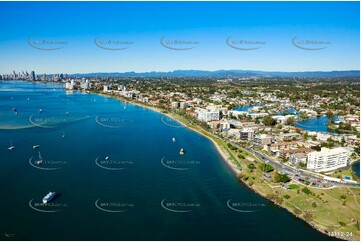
[246, 134]
[70, 85]
[206, 116]
[106, 88]
[327, 159]
[85, 84]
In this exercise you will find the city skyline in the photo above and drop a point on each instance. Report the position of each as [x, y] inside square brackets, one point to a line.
[271, 42]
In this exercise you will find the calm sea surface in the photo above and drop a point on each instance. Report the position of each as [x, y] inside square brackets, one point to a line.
[118, 175]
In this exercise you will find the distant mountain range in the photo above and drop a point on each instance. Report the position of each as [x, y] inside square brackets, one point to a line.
[225, 74]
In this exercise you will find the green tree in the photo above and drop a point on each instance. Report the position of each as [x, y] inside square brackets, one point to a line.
[306, 190]
[330, 116]
[286, 196]
[251, 166]
[291, 121]
[281, 177]
[265, 167]
[269, 121]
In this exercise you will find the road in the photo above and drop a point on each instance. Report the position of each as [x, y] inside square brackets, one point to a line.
[291, 172]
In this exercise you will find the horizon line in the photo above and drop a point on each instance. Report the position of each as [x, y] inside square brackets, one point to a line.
[174, 70]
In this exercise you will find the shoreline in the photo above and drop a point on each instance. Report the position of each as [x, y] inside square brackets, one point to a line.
[225, 158]
[220, 151]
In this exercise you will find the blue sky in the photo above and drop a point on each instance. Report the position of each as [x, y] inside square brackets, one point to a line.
[274, 24]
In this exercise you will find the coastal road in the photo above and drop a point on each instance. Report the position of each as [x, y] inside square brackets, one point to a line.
[286, 169]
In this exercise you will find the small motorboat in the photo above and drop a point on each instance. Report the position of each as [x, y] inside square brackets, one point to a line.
[38, 162]
[11, 146]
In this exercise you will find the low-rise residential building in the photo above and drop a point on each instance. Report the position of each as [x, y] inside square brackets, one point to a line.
[328, 159]
[287, 153]
[233, 133]
[353, 141]
[262, 140]
[183, 105]
[289, 136]
[224, 125]
[298, 158]
[283, 146]
[235, 113]
[214, 124]
[258, 115]
[175, 104]
[235, 123]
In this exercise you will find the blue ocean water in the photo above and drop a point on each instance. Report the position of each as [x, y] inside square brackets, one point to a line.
[119, 175]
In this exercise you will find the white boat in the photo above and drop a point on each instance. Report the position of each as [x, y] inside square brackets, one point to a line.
[173, 139]
[48, 197]
[106, 158]
[11, 146]
[38, 162]
[181, 152]
[36, 146]
[40, 110]
[63, 135]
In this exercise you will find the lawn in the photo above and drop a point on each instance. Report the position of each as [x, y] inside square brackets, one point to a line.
[294, 186]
